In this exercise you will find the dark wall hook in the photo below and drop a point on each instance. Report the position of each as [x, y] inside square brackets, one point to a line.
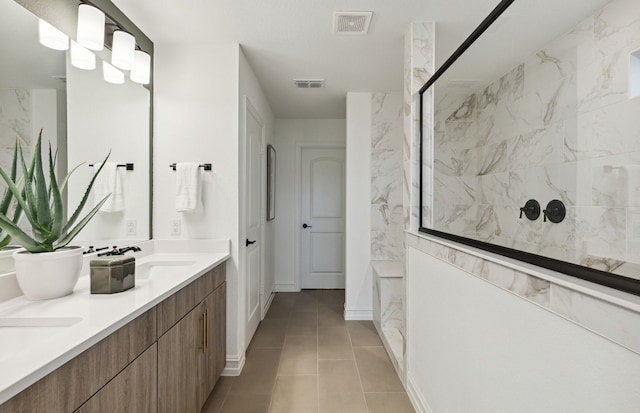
[555, 211]
[531, 209]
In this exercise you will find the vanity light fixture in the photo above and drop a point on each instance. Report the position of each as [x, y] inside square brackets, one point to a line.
[82, 58]
[111, 74]
[122, 50]
[141, 71]
[91, 27]
[51, 37]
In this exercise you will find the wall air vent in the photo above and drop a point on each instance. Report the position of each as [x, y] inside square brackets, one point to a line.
[309, 83]
[352, 22]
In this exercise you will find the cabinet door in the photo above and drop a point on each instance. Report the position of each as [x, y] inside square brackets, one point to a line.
[215, 353]
[206, 370]
[133, 390]
[179, 355]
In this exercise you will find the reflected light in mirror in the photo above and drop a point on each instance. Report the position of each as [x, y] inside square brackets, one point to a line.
[122, 54]
[51, 37]
[141, 71]
[111, 74]
[82, 58]
[91, 27]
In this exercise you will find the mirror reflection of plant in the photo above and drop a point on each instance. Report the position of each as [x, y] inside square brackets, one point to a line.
[42, 205]
[5, 204]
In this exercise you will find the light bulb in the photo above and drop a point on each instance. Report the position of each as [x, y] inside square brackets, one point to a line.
[141, 71]
[90, 27]
[51, 37]
[111, 74]
[122, 50]
[82, 58]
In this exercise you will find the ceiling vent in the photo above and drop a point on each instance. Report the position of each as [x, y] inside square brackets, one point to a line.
[352, 22]
[308, 83]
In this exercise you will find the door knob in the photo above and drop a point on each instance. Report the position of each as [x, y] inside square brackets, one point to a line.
[306, 226]
[247, 242]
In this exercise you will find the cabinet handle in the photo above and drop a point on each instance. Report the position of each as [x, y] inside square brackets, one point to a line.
[206, 329]
[204, 332]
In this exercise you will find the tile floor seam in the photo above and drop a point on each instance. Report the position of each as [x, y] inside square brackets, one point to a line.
[355, 361]
[275, 381]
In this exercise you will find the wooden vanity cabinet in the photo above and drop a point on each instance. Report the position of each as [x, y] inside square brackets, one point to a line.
[65, 389]
[165, 360]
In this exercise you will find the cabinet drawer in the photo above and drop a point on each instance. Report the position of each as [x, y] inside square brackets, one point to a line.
[133, 390]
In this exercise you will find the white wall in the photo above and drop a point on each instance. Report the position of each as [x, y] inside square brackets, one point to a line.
[289, 134]
[358, 298]
[472, 346]
[196, 119]
[104, 117]
[251, 89]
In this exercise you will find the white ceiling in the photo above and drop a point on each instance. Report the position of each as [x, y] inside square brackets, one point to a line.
[287, 39]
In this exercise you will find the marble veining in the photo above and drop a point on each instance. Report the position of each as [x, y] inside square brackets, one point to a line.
[583, 309]
[15, 123]
[418, 68]
[559, 125]
[386, 177]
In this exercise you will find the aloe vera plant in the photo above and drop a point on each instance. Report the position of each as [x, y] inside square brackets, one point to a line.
[5, 204]
[42, 204]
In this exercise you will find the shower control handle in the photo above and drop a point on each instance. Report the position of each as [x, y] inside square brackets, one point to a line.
[555, 211]
[531, 209]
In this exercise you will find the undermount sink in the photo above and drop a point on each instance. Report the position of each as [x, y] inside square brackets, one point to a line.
[151, 268]
[38, 321]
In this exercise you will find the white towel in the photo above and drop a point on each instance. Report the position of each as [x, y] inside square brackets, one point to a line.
[108, 182]
[187, 187]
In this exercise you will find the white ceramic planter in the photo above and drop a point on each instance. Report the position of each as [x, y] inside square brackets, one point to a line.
[48, 275]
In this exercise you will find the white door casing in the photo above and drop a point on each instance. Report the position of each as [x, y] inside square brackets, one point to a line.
[253, 210]
[322, 210]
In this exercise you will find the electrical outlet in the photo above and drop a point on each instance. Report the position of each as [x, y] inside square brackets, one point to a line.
[131, 227]
[175, 227]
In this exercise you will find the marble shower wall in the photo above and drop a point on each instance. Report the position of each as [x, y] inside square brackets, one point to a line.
[418, 68]
[15, 122]
[560, 125]
[386, 177]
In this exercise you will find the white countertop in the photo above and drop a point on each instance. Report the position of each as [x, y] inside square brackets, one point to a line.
[27, 354]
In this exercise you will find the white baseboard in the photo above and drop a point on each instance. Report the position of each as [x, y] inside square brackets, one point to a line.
[267, 305]
[286, 287]
[417, 399]
[234, 365]
[358, 313]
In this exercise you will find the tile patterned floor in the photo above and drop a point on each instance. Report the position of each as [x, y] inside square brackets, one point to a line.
[305, 358]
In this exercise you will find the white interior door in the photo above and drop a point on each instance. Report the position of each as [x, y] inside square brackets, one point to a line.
[322, 218]
[253, 219]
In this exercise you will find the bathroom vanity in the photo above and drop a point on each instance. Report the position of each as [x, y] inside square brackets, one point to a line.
[158, 347]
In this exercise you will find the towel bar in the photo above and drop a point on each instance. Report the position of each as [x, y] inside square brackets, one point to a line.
[128, 166]
[206, 166]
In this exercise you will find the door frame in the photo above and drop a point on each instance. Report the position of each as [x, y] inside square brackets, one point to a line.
[297, 264]
[248, 107]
